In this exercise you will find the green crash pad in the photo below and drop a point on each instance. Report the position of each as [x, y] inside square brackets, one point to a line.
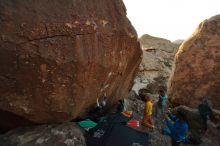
[87, 123]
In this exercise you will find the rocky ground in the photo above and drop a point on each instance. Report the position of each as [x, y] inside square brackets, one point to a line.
[209, 138]
[66, 134]
[69, 134]
[156, 137]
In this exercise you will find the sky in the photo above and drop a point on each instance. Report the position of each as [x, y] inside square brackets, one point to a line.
[170, 19]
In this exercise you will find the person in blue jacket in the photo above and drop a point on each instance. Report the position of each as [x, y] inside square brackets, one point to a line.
[162, 102]
[177, 128]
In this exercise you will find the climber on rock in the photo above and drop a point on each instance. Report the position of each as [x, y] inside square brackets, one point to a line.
[101, 103]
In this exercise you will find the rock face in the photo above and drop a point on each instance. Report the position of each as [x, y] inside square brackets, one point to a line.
[158, 56]
[197, 67]
[197, 131]
[67, 134]
[57, 57]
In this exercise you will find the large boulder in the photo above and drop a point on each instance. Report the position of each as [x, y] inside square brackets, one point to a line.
[66, 134]
[57, 57]
[196, 72]
[197, 129]
[193, 117]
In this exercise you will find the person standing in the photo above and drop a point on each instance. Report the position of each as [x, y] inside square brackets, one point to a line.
[205, 111]
[147, 118]
[162, 102]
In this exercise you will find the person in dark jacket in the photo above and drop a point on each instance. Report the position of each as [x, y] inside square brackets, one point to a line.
[177, 127]
[205, 111]
[120, 107]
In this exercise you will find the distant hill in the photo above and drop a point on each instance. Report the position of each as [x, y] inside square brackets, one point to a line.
[151, 42]
[179, 41]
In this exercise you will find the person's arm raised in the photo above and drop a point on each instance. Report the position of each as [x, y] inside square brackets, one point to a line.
[97, 102]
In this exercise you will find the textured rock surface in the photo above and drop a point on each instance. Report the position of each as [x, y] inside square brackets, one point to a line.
[194, 119]
[67, 134]
[197, 67]
[158, 56]
[197, 130]
[57, 57]
[157, 61]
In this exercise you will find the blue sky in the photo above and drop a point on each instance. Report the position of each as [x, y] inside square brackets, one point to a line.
[170, 19]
